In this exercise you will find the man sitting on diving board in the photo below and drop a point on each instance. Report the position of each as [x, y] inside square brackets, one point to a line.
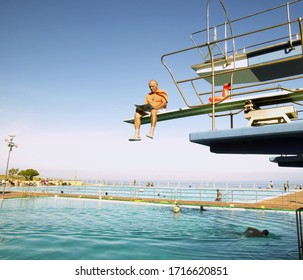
[155, 100]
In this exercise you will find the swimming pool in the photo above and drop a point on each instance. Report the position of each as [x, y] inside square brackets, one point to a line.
[74, 229]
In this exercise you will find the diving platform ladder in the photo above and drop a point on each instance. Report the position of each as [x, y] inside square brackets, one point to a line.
[299, 232]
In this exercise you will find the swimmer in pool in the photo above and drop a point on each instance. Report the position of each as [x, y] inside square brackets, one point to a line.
[176, 209]
[253, 232]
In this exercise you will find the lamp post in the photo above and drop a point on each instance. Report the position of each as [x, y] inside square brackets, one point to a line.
[11, 145]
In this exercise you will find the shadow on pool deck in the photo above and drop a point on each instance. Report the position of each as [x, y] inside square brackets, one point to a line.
[291, 201]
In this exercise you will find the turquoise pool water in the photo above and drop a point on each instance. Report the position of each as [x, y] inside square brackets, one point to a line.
[73, 229]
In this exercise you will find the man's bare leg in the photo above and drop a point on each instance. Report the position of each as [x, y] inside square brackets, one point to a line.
[137, 123]
[153, 122]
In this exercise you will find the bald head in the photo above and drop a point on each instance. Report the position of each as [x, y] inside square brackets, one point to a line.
[153, 85]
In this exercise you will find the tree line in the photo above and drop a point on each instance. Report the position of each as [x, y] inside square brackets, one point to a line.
[28, 174]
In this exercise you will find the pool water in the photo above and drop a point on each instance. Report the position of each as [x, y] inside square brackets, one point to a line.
[74, 229]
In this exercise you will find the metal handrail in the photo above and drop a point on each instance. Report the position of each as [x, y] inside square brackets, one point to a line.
[183, 193]
[299, 232]
[209, 45]
[267, 89]
[245, 17]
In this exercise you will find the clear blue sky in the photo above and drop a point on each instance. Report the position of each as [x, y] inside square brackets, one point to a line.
[70, 72]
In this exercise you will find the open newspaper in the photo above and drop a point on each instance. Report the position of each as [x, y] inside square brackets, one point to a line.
[144, 108]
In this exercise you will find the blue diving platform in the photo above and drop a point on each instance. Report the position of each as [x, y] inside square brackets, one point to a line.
[288, 161]
[286, 138]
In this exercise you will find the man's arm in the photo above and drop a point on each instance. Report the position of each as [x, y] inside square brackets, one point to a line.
[160, 105]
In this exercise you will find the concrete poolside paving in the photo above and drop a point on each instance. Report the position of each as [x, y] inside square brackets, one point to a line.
[287, 201]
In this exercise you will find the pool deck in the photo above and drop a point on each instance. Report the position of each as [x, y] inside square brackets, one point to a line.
[287, 201]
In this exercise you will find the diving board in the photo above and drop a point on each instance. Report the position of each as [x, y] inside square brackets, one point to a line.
[238, 103]
[285, 138]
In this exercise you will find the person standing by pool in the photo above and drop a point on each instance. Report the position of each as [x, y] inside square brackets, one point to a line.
[253, 232]
[219, 195]
[158, 99]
